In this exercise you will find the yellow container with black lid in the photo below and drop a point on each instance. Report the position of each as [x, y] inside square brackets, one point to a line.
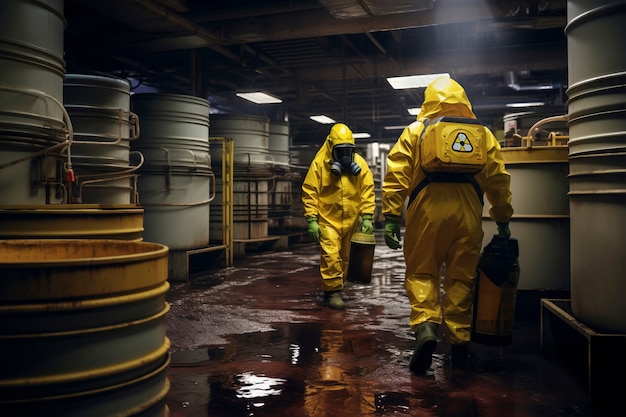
[453, 144]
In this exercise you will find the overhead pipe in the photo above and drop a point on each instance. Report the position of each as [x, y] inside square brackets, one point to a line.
[561, 118]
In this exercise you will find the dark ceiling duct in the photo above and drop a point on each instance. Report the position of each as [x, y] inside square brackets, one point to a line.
[354, 9]
[511, 81]
[324, 56]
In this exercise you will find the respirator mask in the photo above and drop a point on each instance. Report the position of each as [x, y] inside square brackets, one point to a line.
[343, 160]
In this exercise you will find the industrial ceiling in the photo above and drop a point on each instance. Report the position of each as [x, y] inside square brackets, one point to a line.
[327, 57]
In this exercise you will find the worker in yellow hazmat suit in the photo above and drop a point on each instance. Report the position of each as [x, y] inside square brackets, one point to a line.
[338, 196]
[443, 227]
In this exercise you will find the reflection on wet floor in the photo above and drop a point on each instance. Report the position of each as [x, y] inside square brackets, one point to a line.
[255, 340]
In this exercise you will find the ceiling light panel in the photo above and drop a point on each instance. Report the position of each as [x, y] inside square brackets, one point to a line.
[259, 97]
[322, 119]
[414, 81]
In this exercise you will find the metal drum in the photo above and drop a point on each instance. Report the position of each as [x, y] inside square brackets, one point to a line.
[252, 176]
[597, 157]
[99, 107]
[176, 183]
[541, 222]
[72, 221]
[82, 327]
[33, 122]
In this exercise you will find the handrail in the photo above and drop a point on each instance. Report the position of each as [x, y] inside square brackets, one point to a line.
[228, 155]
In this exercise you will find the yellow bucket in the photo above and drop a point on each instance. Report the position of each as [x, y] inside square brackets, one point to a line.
[361, 258]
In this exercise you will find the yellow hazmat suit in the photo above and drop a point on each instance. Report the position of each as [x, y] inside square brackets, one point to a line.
[336, 201]
[444, 222]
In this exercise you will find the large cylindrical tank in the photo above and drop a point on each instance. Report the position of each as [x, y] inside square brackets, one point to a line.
[99, 107]
[596, 37]
[278, 144]
[541, 222]
[252, 176]
[82, 327]
[521, 122]
[32, 117]
[176, 183]
[251, 136]
[301, 158]
[281, 194]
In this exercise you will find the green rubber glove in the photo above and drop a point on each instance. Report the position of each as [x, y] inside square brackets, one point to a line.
[392, 232]
[314, 229]
[503, 230]
[366, 225]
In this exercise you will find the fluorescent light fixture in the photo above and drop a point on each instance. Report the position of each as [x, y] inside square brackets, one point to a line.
[397, 127]
[414, 81]
[529, 104]
[362, 135]
[414, 110]
[259, 97]
[322, 119]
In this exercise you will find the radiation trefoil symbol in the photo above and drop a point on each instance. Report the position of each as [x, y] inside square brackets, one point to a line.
[462, 143]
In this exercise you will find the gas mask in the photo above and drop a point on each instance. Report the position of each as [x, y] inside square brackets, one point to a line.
[343, 160]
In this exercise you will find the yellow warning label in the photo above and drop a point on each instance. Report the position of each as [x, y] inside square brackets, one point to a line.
[462, 143]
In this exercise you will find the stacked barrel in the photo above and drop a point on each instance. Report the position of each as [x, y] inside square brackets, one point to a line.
[252, 176]
[82, 297]
[99, 107]
[83, 327]
[597, 160]
[176, 183]
[34, 126]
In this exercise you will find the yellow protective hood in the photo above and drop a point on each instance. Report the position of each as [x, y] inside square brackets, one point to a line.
[445, 97]
[339, 133]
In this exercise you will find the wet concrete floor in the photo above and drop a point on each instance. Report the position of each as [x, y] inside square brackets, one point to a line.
[255, 340]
